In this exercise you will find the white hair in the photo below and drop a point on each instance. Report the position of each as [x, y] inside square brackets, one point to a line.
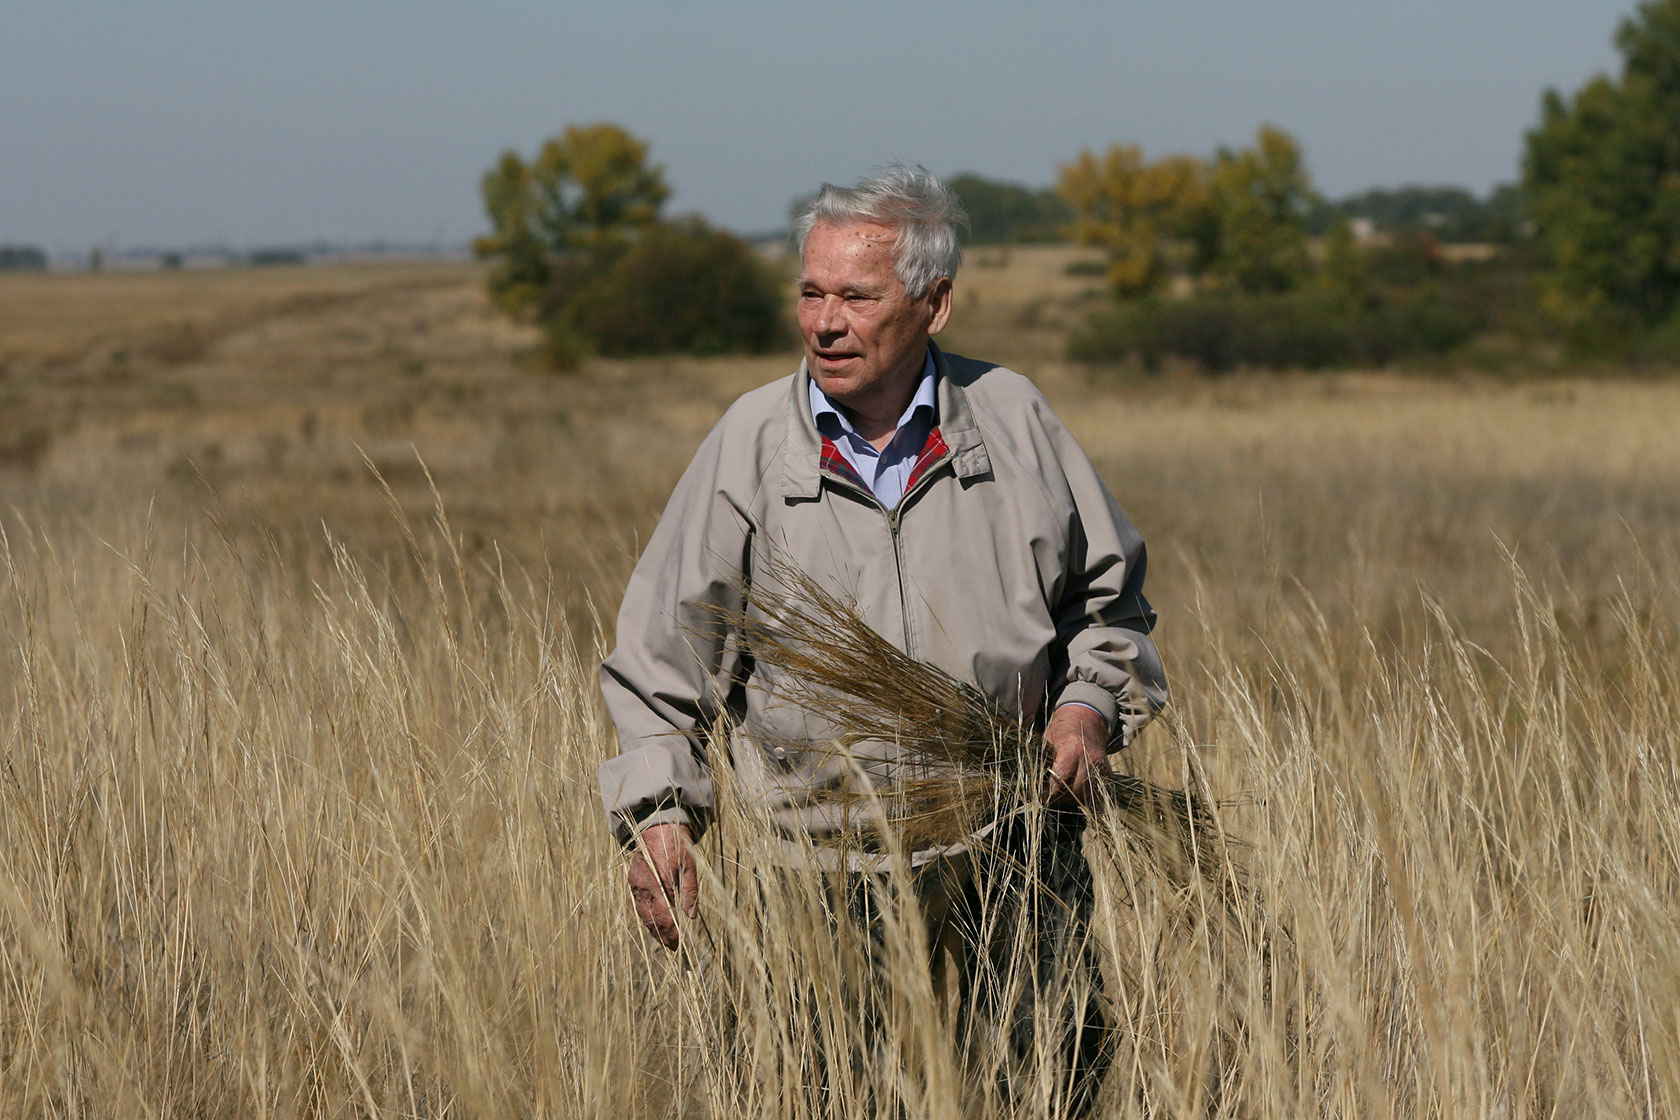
[924, 211]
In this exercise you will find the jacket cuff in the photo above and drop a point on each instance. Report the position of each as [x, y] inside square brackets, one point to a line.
[625, 829]
[1093, 696]
[655, 785]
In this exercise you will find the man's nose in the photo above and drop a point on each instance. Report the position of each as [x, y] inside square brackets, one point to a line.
[831, 316]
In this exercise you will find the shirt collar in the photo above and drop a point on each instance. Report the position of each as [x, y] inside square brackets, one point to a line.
[829, 417]
[801, 468]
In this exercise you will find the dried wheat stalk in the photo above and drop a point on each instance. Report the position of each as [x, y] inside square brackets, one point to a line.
[983, 761]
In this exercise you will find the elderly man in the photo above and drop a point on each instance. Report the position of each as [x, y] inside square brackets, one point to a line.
[939, 493]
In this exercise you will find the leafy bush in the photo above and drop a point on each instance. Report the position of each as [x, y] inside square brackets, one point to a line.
[1656, 347]
[1302, 329]
[682, 287]
[1419, 325]
[275, 257]
[22, 258]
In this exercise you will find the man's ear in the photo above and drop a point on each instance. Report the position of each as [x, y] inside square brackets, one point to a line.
[939, 300]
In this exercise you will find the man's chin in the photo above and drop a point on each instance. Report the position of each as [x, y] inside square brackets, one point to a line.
[835, 382]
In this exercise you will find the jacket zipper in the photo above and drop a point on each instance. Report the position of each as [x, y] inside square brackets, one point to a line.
[898, 566]
[892, 516]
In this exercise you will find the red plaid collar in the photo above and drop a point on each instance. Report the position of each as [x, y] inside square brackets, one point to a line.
[933, 452]
[837, 464]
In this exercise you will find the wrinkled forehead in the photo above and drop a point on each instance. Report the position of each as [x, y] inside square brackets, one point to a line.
[866, 232]
[854, 244]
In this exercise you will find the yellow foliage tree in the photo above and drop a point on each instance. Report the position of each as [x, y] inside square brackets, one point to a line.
[1145, 214]
[587, 191]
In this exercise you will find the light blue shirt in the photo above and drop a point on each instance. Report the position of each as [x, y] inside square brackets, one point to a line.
[885, 472]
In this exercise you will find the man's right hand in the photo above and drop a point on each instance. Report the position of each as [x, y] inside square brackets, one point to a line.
[662, 874]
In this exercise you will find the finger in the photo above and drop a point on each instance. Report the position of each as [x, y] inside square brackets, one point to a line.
[1064, 780]
[1097, 774]
[688, 886]
[652, 895]
[680, 885]
[656, 916]
[1100, 770]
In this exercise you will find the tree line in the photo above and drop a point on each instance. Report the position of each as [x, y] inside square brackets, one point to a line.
[1586, 247]
[1225, 260]
[1217, 261]
[22, 258]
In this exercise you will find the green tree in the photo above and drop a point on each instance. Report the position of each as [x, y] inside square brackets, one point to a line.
[1008, 213]
[577, 246]
[1261, 199]
[1601, 179]
[519, 271]
[1142, 213]
[561, 215]
[22, 258]
[1503, 217]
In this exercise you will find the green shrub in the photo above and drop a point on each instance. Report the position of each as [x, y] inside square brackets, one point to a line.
[1302, 329]
[561, 349]
[682, 287]
[22, 258]
[1413, 326]
[275, 257]
[1653, 347]
[1412, 257]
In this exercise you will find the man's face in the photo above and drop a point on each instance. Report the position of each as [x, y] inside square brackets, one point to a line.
[865, 338]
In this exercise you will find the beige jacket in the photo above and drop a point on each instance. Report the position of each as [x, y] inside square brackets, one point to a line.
[1007, 564]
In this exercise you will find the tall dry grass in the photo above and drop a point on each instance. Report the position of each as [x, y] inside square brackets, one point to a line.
[285, 842]
[299, 817]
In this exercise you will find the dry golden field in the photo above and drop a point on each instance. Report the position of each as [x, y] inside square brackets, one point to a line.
[303, 576]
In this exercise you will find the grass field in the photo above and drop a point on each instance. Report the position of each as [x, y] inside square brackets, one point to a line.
[304, 573]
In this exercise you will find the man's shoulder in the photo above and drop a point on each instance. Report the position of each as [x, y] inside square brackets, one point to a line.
[1024, 436]
[747, 439]
[995, 389]
[762, 406]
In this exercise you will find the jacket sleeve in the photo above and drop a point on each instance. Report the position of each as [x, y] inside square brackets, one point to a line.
[671, 673]
[1107, 659]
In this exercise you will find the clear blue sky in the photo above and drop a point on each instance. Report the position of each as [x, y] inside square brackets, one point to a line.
[177, 122]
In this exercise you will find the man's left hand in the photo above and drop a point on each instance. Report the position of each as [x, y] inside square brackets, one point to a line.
[1078, 739]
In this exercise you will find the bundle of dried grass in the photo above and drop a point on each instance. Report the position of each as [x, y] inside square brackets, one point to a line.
[971, 761]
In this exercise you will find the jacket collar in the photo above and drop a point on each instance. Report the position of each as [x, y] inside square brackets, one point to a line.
[801, 466]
